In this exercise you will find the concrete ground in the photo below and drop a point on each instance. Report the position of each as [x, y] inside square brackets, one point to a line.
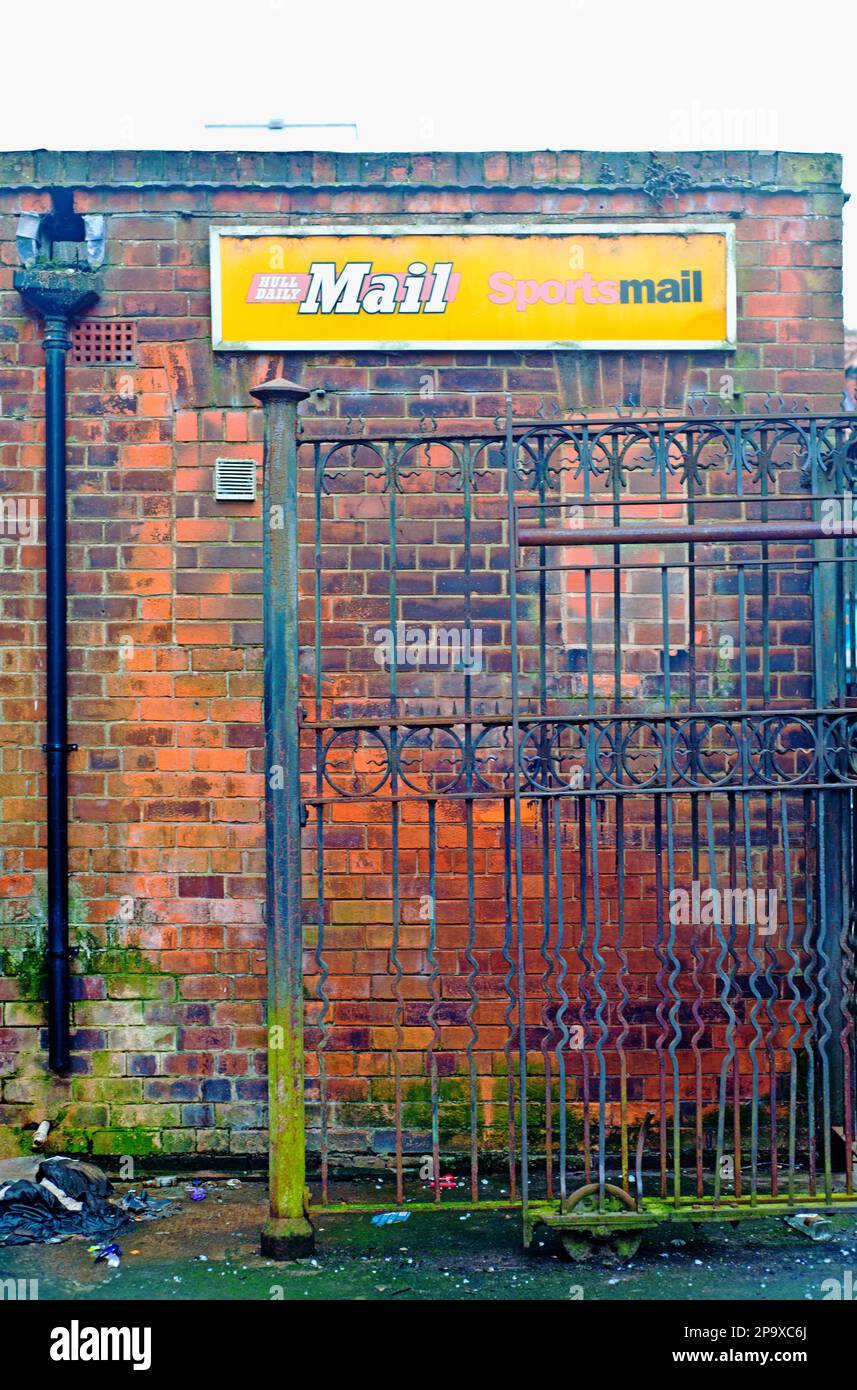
[210, 1250]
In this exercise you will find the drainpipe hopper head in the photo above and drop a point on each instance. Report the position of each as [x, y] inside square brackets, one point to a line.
[58, 293]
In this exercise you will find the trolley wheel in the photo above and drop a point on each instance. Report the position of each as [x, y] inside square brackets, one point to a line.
[596, 1242]
[578, 1246]
[581, 1246]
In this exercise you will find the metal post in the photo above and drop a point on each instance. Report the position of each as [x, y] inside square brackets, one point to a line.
[833, 889]
[287, 1234]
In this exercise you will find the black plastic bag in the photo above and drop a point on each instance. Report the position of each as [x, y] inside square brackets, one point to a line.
[66, 1198]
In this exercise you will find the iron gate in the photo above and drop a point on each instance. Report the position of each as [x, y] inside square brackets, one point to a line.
[578, 766]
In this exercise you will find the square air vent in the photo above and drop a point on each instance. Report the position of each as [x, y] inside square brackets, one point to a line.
[103, 342]
[235, 480]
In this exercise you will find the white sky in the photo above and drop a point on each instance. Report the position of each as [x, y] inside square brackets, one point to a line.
[441, 74]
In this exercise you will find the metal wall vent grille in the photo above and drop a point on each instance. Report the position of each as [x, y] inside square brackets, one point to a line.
[235, 480]
[103, 342]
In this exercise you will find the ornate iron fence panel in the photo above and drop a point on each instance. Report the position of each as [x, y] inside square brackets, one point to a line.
[579, 761]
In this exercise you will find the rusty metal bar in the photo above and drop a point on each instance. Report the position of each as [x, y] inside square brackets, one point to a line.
[445, 721]
[729, 533]
[520, 954]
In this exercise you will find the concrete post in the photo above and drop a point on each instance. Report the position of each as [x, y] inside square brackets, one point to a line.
[287, 1233]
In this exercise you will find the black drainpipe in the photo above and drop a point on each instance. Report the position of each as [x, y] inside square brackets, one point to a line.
[58, 296]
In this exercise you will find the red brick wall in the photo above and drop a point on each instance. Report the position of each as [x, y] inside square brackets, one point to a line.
[164, 611]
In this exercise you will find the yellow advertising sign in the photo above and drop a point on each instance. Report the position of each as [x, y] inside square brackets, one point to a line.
[595, 286]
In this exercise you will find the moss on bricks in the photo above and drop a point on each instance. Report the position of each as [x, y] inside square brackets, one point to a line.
[140, 985]
[110, 957]
[15, 1141]
[131, 1140]
[106, 1063]
[27, 966]
[129, 972]
[70, 1141]
[178, 1141]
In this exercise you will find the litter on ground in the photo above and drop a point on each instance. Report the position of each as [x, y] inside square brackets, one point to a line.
[388, 1218]
[811, 1224]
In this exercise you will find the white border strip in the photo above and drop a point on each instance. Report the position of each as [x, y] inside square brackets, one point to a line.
[523, 229]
